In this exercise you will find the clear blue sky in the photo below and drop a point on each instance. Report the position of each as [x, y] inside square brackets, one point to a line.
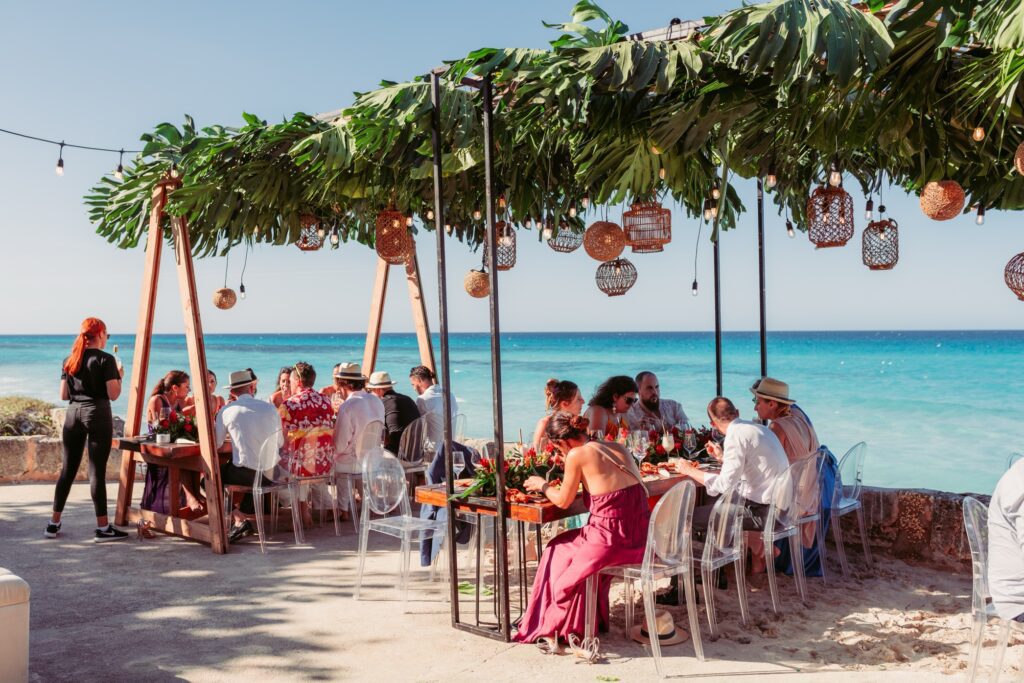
[102, 73]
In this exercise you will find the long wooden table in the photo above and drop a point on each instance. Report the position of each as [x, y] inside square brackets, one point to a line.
[176, 458]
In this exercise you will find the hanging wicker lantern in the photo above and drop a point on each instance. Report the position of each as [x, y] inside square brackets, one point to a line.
[506, 235]
[615, 277]
[604, 241]
[1014, 275]
[942, 200]
[565, 240]
[392, 239]
[1018, 159]
[224, 298]
[829, 217]
[309, 238]
[647, 226]
[881, 245]
[477, 283]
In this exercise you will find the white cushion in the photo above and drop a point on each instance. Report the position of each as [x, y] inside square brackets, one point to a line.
[13, 589]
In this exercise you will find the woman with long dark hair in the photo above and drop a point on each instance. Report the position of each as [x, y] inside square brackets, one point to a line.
[169, 397]
[610, 403]
[90, 380]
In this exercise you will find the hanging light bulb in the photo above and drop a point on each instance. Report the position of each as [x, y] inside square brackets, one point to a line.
[980, 220]
[714, 209]
[572, 210]
[408, 222]
[789, 228]
[396, 223]
[119, 172]
[693, 290]
[448, 228]
[655, 149]
[60, 160]
[869, 209]
[618, 268]
[477, 215]
[585, 202]
[707, 210]
[505, 240]
[661, 172]
[334, 237]
[241, 290]
[547, 233]
[501, 201]
[321, 232]
[716, 191]
[772, 180]
[430, 214]
[979, 134]
[835, 176]
[174, 170]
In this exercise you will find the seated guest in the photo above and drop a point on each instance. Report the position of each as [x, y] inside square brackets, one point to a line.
[333, 390]
[1006, 544]
[616, 532]
[611, 402]
[168, 397]
[216, 401]
[358, 408]
[652, 412]
[399, 410]
[284, 387]
[308, 421]
[559, 397]
[431, 401]
[250, 423]
[751, 457]
[789, 423]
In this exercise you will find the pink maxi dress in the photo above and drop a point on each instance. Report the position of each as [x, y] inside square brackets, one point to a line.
[615, 534]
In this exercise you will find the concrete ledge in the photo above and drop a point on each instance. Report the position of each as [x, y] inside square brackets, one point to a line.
[38, 458]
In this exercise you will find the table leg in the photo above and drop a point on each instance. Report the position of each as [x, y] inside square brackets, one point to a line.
[173, 490]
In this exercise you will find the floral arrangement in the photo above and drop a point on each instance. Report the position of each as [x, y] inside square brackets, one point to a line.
[520, 464]
[658, 453]
[178, 426]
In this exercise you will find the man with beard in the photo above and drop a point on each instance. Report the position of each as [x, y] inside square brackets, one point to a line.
[652, 412]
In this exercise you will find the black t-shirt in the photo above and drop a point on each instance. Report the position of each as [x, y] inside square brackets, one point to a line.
[90, 384]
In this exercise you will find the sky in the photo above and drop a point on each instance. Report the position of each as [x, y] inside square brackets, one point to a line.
[101, 74]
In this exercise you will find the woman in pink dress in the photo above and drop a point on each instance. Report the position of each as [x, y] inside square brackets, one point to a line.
[615, 534]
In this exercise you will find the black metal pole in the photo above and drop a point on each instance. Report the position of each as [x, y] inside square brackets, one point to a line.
[500, 547]
[760, 270]
[718, 317]
[442, 311]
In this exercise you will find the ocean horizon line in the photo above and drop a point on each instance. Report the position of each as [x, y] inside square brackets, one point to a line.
[545, 332]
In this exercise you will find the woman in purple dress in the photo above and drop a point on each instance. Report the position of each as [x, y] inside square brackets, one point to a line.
[615, 534]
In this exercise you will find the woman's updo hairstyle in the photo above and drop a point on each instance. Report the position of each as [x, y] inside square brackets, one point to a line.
[557, 392]
[563, 426]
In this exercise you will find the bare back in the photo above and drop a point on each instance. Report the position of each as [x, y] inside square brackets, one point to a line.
[602, 466]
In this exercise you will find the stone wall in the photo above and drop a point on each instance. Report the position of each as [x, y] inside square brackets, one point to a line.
[37, 458]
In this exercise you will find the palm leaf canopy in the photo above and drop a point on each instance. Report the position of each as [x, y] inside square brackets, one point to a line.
[784, 87]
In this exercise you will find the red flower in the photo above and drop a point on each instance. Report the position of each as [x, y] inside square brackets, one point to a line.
[659, 449]
[163, 424]
[675, 431]
[549, 448]
[173, 416]
[188, 426]
[653, 435]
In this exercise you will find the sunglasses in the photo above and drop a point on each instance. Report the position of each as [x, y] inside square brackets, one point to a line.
[630, 400]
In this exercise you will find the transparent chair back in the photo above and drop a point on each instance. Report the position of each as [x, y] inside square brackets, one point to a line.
[459, 428]
[410, 447]
[851, 474]
[670, 530]
[723, 545]
[311, 464]
[782, 522]
[384, 484]
[370, 439]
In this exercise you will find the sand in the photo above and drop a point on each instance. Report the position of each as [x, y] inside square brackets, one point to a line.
[167, 609]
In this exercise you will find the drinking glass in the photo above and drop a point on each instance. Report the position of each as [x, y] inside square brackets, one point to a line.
[475, 458]
[458, 463]
[689, 442]
[430, 449]
[598, 434]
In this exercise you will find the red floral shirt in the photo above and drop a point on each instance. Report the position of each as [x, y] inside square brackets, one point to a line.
[308, 421]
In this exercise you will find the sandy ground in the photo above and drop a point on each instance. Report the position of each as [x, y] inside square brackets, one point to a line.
[167, 609]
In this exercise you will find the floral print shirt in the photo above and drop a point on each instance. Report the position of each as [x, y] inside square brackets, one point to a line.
[308, 421]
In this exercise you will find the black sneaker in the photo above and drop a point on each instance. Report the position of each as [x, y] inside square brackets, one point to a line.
[109, 534]
[240, 531]
[52, 530]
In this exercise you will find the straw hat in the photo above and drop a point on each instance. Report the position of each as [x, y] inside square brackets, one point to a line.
[349, 371]
[669, 633]
[773, 390]
[240, 378]
[379, 380]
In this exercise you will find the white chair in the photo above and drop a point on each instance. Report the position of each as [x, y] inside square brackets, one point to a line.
[846, 499]
[808, 501]
[371, 438]
[782, 522]
[669, 553]
[384, 491]
[303, 454]
[976, 527]
[269, 481]
[723, 545]
[411, 447]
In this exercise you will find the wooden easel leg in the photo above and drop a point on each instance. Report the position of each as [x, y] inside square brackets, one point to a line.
[419, 312]
[140, 356]
[380, 288]
[200, 388]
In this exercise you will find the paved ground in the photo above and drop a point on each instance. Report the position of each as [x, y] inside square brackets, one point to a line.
[166, 609]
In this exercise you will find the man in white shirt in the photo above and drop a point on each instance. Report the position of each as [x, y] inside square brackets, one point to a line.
[752, 457]
[652, 411]
[431, 401]
[256, 440]
[357, 409]
[1006, 544]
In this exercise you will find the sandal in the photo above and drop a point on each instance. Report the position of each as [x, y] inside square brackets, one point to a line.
[589, 650]
[548, 645]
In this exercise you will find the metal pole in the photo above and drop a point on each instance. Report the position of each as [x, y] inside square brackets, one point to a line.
[500, 547]
[760, 270]
[718, 318]
[442, 311]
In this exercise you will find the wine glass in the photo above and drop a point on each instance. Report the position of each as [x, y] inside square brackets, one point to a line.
[598, 434]
[475, 458]
[458, 463]
[638, 446]
[430, 449]
[689, 442]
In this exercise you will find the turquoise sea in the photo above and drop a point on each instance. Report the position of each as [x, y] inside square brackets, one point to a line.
[938, 409]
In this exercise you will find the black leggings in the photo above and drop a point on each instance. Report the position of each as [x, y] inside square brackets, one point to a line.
[86, 424]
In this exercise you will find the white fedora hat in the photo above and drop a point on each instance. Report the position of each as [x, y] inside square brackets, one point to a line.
[773, 390]
[379, 380]
[669, 633]
[349, 371]
[240, 378]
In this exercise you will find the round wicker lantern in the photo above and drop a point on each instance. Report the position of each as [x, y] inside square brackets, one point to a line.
[604, 241]
[224, 298]
[942, 200]
[1014, 275]
[309, 238]
[648, 227]
[393, 242]
[565, 240]
[829, 217]
[1018, 159]
[477, 284]
[615, 277]
[506, 235]
[881, 245]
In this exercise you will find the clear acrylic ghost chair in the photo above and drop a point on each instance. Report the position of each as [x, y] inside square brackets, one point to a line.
[385, 492]
[345, 473]
[781, 522]
[1014, 457]
[723, 545]
[846, 499]
[411, 447]
[303, 455]
[669, 552]
[459, 428]
[809, 504]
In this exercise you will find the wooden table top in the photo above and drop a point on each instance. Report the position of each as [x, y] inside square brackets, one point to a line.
[169, 451]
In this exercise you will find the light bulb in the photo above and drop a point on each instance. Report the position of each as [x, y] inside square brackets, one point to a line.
[501, 201]
[241, 290]
[979, 134]
[707, 210]
[714, 209]
[835, 178]
[60, 167]
[174, 170]
[693, 290]
[408, 222]
[618, 269]
[119, 172]
[980, 220]
[321, 232]
[448, 228]
[661, 173]
[789, 229]
[655, 149]
[505, 241]
[476, 215]
[572, 210]
[430, 214]
[334, 238]
[716, 191]
[547, 234]
[395, 223]
[771, 181]
[869, 209]
[842, 218]
[585, 202]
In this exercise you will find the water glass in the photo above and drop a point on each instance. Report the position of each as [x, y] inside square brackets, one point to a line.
[689, 441]
[458, 463]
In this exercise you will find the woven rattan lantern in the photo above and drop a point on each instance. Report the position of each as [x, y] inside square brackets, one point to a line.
[565, 240]
[477, 284]
[1014, 275]
[309, 238]
[881, 244]
[615, 277]
[604, 241]
[829, 217]
[506, 235]
[648, 227]
[224, 298]
[393, 241]
[942, 200]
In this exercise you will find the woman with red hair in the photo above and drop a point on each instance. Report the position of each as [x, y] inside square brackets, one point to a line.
[90, 381]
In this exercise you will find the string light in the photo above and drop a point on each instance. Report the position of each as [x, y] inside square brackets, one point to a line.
[174, 170]
[448, 228]
[979, 134]
[693, 290]
[980, 220]
[716, 191]
[585, 202]
[572, 210]
[477, 215]
[60, 160]
[789, 229]
[241, 278]
[501, 201]
[707, 210]
[655, 149]
[321, 232]
[119, 173]
[241, 291]
[835, 176]
[714, 209]
[334, 237]
[661, 172]
[772, 180]
[408, 222]
[869, 208]
[430, 214]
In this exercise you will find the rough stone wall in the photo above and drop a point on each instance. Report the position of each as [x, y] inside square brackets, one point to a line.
[37, 458]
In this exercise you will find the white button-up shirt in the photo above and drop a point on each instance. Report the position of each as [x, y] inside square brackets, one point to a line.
[250, 422]
[1006, 543]
[431, 404]
[671, 415]
[358, 410]
[751, 456]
